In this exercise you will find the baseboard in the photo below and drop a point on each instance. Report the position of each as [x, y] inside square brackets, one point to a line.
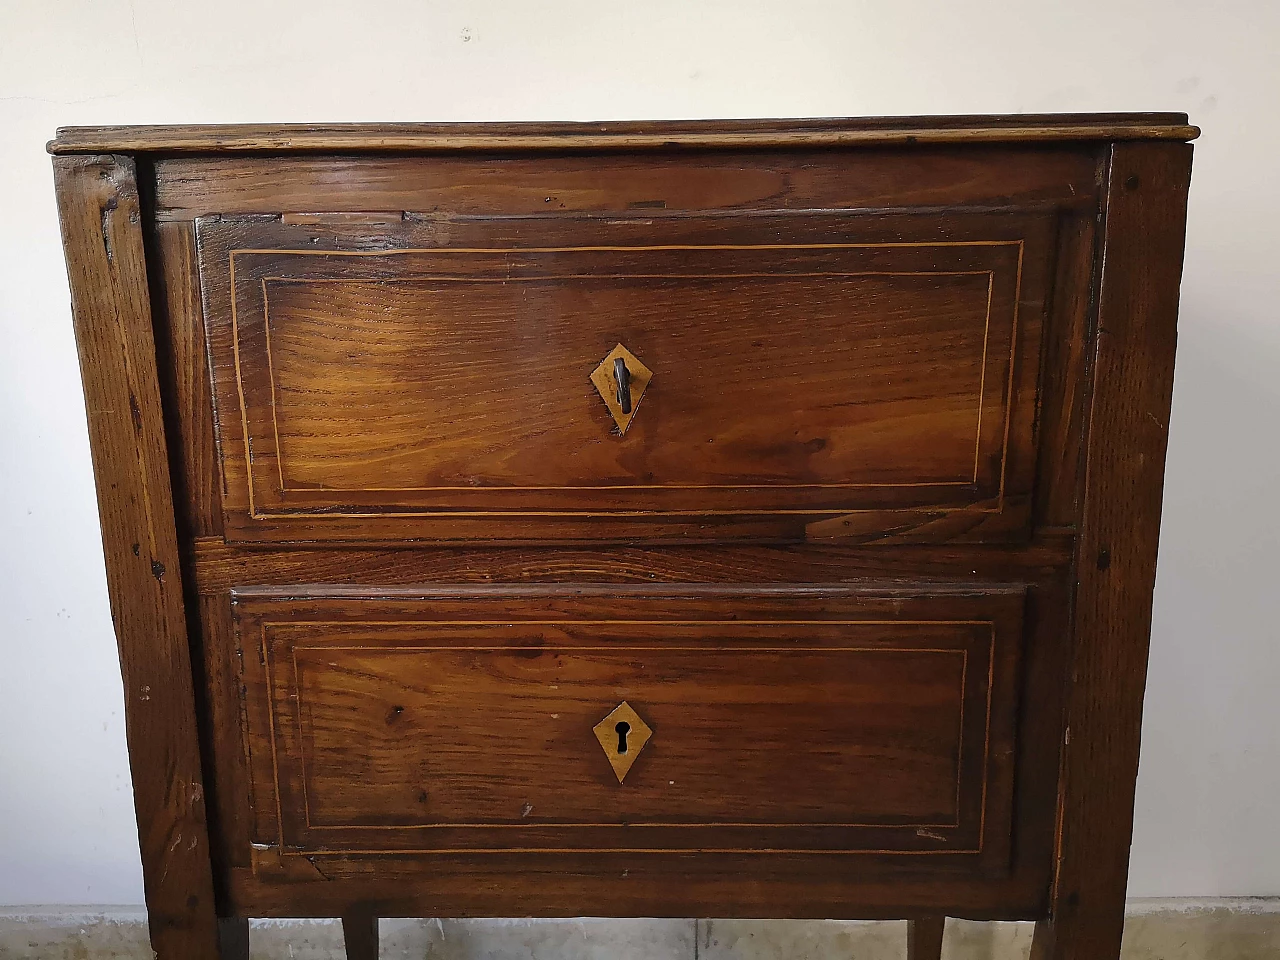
[1226, 929]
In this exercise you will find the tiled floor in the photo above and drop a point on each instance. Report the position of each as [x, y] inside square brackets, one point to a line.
[1160, 930]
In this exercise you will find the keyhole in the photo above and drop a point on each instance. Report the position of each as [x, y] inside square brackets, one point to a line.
[623, 729]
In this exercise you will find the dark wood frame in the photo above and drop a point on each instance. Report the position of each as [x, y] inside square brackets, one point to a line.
[106, 262]
[1119, 532]
[1131, 354]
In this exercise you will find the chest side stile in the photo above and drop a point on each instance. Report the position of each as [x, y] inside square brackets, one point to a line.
[99, 206]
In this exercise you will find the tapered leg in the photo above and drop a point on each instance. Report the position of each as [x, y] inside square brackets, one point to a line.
[233, 938]
[360, 931]
[1078, 937]
[924, 938]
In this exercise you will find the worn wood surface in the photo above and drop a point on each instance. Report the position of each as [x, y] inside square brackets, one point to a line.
[223, 733]
[624, 135]
[922, 406]
[1064, 377]
[101, 229]
[836, 719]
[363, 614]
[924, 938]
[816, 885]
[233, 938]
[629, 885]
[188, 407]
[184, 367]
[1116, 557]
[220, 566]
[360, 936]
[303, 188]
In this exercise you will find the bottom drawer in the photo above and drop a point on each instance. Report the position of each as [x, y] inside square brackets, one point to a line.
[836, 720]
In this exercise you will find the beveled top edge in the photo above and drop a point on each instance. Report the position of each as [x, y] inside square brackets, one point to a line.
[620, 135]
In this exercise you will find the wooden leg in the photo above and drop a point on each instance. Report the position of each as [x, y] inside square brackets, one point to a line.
[233, 938]
[360, 931]
[924, 938]
[1078, 938]
[1044, 942]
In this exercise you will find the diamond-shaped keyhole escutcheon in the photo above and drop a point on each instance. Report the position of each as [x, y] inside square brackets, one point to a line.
[620, 379]
[623, 735]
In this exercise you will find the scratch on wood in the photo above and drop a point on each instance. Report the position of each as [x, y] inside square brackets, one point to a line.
[135, 412]
[107, 209]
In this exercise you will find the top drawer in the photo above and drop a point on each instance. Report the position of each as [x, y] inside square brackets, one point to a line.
[787, 375]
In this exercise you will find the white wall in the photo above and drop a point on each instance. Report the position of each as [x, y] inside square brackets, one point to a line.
[1209, 792]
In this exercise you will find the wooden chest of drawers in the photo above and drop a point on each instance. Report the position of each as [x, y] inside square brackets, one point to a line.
[725, 519]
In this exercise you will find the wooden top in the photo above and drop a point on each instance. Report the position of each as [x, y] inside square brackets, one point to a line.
[629, 135]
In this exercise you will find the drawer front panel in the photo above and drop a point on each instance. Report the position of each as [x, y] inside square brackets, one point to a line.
[376, 383]
[853, 724]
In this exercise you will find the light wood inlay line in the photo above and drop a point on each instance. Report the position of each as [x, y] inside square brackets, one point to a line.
[295, 696]
[284, 627]
[256, 512]
[330, 488]
[631, 248]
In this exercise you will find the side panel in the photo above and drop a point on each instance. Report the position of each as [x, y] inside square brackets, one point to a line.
[1116, 553]
[98, 204]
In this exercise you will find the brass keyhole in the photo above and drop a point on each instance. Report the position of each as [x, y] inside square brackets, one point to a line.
[623, 729]
[622, 734]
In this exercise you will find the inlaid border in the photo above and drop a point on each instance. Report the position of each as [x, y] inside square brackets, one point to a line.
[995, 506]
[268, 661]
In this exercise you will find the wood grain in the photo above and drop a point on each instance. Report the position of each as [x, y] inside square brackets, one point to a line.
[224, 735]
[666, 886]
[185, 383]
[830, 718]
[1119, 534]
[915, 405]
[924, 938]
[221, 566]
[99, 208]
[360, 936]
[1064, 379]
[373, 190]
[744, 639]
[630, 885]
[623, 135]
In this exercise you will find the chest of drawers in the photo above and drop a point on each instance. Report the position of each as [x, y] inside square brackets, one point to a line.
[727, 519]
